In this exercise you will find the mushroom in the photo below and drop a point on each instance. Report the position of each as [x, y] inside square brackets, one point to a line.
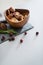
[3, 26]
[11, 10]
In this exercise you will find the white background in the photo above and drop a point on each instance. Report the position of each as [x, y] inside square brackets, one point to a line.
[30, 52]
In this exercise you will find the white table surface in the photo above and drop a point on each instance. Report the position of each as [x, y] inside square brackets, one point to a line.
[30, 52]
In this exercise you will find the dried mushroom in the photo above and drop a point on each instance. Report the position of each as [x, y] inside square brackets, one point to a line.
[3, 26]
[10, 16]
[7, 12]
[11, 10]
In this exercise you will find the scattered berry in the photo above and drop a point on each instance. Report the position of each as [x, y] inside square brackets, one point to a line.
[9, 39]
[13, 38]
[10, 34]
[37, 33]
[3, 38]
[21, 40]
[25, 33]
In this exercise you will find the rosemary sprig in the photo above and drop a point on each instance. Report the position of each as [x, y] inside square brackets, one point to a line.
[8, 31]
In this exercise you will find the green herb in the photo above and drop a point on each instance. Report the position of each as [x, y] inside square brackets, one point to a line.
[7, 31]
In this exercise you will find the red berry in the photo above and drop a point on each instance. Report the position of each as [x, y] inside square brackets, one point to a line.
[25, 33]
[13, 38]
[9, 39]
[3, 38]
[21, 40]
[37, 33]
[10, 34]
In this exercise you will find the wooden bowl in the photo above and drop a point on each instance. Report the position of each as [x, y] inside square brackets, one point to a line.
[20, 23]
